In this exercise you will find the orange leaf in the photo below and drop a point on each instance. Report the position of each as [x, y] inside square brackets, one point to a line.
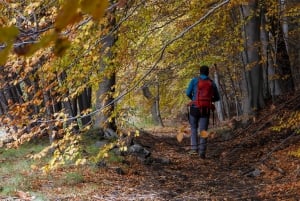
[204, 134]
[179, 137]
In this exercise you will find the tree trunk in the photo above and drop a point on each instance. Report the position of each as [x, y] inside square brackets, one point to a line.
[253, 72]
[219, 106]
[104, 101]
[70, 105]
[3, 103]
[105, 104]
[271, 83]
[282, 60]
[294, 44]
[49, 114]
[84, 102]
[154, 101]
[17, 92]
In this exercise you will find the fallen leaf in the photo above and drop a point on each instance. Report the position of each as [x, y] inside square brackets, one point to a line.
[23, 195]
[179, 137]
[204, 134]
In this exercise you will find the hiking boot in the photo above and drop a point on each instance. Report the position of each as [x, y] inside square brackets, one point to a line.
[192, 152]
[202, 156]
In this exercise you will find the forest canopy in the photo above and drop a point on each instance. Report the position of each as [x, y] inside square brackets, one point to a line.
[73, 65]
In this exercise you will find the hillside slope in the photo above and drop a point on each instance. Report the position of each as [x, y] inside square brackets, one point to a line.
[244, 162]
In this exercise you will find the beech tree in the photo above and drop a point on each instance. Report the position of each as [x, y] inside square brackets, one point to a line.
[105, 92]
[292, 34]
[253, 78]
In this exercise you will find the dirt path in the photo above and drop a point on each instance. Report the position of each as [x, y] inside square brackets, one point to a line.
[250, 163]
[224, 174]
[172, 174]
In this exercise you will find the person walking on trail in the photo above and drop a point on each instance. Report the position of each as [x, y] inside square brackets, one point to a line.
[203, 92]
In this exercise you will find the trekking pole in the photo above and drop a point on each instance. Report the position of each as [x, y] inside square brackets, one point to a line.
[213, 118]
[188, 112]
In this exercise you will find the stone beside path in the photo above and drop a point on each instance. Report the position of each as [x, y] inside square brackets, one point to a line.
[2, 132]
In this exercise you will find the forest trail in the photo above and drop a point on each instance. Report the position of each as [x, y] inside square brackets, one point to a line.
[233, 170]
[247, 163]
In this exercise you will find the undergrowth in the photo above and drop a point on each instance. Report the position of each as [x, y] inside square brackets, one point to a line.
[19, 171]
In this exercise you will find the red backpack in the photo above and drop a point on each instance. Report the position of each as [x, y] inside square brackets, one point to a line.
[204, 94]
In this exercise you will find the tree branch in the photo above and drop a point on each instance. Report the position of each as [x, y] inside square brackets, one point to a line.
[161, 55]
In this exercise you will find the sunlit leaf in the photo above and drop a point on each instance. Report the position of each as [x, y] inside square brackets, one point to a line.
[137, 133]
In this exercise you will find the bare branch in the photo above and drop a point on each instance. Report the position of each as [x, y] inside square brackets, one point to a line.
[160, 57]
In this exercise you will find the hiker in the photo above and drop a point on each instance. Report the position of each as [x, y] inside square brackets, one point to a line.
[200, 107]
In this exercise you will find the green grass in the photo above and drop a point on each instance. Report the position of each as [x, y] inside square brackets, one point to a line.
[15, 169]
[73, 178]
[19, 165]
[12, 184]
[114, 158]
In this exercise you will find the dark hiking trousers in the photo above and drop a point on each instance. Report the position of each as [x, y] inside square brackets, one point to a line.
[199, 119]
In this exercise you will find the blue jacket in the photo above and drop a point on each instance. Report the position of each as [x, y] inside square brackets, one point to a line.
[191, 91]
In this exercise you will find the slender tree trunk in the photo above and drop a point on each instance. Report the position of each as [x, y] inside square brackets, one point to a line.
[4, 103]
[6, 100]
[219, 104]
[284, 66]
[156, 117]
[282, 60]
[12, 95]
[271, 83]
[49, 113]
[69, 105]
[294, 44]
[30, 94]
[84, 102]
[234, 94]
[16, 90]
[2, 110]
